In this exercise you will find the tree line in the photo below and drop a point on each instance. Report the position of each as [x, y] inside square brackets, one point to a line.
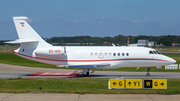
[117, 40]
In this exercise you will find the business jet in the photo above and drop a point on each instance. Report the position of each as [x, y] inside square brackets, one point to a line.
[33, 47]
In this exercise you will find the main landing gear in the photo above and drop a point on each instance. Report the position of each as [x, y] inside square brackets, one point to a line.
[148, 69]
[85, 72]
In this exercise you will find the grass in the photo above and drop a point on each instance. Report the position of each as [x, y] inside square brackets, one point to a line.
[78, 86]
[8, 48]
[11, 58]
[168, 49]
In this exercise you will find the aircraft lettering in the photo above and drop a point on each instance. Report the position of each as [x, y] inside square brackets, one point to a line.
[50, 51]
[54, 51]
[57, 51]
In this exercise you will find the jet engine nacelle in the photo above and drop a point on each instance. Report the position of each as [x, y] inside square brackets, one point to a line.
[52, 52]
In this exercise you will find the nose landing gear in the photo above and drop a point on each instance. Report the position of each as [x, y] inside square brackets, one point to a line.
[148, 69]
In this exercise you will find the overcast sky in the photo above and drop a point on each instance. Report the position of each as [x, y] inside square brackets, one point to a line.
[92, 17]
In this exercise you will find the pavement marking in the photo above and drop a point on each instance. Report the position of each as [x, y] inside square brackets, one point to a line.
[78, 97]
[7, 97]
[150, 97]
[69, 74]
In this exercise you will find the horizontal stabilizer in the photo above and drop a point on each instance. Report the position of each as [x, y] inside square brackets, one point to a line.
[18, 41]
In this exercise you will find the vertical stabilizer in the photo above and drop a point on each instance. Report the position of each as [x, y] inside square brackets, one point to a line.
[26, 32]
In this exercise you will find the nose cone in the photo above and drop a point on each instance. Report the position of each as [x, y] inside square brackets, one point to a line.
[169, 60]
[172, 60]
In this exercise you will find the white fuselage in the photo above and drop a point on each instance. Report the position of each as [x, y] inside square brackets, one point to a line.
[87, 55]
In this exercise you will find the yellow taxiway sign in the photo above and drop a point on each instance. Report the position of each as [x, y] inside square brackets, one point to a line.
[134, 83]
[116, 83]
[155, 84]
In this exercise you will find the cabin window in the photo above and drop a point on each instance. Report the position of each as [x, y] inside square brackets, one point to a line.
[100, 54]
[122, 54]
[118, 54]
[114, 54]
[96, 54]
[127, 54]
[110, 54]
[91, 54]
[105, 54]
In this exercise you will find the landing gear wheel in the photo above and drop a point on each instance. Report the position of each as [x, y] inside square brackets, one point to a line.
[148, 69]
[86, 75]
[85, 72]
[147, 74]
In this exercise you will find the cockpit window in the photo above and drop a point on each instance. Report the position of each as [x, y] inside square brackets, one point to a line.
[154, 52]
[150, 52]
[158, 52]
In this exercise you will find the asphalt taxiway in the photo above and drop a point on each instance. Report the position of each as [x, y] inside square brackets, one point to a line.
[13, 71]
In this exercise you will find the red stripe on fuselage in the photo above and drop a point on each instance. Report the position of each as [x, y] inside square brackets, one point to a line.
[88, 60]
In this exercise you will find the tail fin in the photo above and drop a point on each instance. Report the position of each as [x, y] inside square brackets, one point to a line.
[27, 34]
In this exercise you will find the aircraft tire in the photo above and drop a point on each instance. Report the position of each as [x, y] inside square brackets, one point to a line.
[86, 75]
[147, 74]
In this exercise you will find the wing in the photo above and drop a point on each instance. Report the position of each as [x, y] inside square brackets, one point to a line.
[89, 65]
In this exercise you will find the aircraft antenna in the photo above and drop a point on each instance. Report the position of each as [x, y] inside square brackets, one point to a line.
[113, 45]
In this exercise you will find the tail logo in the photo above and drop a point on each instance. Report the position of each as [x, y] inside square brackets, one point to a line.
[22, 24]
